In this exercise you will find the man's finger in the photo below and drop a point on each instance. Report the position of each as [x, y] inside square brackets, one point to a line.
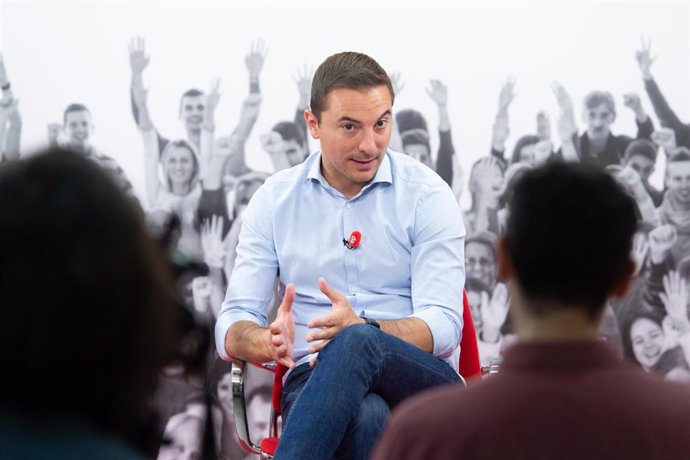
[324, 321]
[319, 346]
[323, 334]
[332, 294]
[288, 299]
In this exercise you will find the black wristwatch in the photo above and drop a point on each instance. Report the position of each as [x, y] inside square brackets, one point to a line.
[371, 322]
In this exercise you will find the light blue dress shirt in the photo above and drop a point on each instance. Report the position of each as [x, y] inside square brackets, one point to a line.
[410, 262]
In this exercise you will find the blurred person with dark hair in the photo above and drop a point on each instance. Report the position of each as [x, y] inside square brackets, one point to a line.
[561, 392]
[87, 312]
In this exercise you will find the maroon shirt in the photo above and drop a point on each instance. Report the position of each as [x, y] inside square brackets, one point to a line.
[549, 401]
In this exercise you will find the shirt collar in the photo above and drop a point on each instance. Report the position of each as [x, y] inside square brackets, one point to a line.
[569, 356]
[384, 175]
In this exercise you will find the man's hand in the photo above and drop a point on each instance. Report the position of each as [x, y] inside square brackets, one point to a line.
[213, 96]
[644, 58]
[138, 60]
[212, 242]
[542, 151]
[303, 82]
[566, 128]
[396, 82]
[562, 97]
[272, 143]
[341, 316]
[675, 299]
[506, 96]
[639, 252]
[661, 239]
[3, 72]
[494, 312]
[632, 101]
[632, 181]
[543, 126]
[438, 92]
[282, 331]
[666, 139]
[254, 60]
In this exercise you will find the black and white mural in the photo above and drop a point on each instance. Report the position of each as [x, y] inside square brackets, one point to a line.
[192, 105]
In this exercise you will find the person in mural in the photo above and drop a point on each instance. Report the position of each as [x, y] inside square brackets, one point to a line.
[77, 128]
[286, 144]
[597, 145]
[559, 388]
[412, 128]
[485, 186]
[680, 132]
[641, 156]
[194, 108]
[529, 149]
[395, 291]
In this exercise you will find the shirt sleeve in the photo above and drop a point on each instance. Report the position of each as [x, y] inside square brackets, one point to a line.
[438, 268]
[251, 284]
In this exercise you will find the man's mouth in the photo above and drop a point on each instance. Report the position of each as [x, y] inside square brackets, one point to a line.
[364, 162]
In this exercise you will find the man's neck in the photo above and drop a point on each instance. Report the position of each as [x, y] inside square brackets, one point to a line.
[558, 324]
[194, 135]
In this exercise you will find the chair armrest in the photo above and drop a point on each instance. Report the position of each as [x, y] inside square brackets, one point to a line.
[240, 407]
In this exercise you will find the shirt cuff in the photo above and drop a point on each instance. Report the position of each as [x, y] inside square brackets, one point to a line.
[225, 320]
[445, 331]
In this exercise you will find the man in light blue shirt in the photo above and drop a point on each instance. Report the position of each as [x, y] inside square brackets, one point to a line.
[368, 244]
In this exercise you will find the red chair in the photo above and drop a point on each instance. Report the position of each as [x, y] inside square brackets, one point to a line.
[469, 367]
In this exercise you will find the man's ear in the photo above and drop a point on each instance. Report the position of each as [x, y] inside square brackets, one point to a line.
[312, 123]
[620, 289]
[504, 265]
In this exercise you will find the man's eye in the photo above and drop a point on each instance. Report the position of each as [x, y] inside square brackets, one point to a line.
[348, 127]
[381, 123]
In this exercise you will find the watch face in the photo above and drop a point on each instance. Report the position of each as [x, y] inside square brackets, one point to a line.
[373, 322]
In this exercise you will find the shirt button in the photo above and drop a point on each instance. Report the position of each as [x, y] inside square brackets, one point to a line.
[348, 206]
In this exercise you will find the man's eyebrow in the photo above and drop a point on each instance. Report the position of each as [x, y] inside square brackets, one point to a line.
[350, 119]
[353, 120]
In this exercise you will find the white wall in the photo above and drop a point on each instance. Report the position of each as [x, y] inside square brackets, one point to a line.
[58, 52]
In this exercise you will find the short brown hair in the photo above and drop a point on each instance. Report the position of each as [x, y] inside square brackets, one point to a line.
[346, 70]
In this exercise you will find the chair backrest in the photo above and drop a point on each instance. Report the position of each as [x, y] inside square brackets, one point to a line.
[469, 365]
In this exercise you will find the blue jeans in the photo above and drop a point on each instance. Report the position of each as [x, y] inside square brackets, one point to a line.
[338, 408]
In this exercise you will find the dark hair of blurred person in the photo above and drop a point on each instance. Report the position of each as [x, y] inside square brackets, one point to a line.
[86, 307]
